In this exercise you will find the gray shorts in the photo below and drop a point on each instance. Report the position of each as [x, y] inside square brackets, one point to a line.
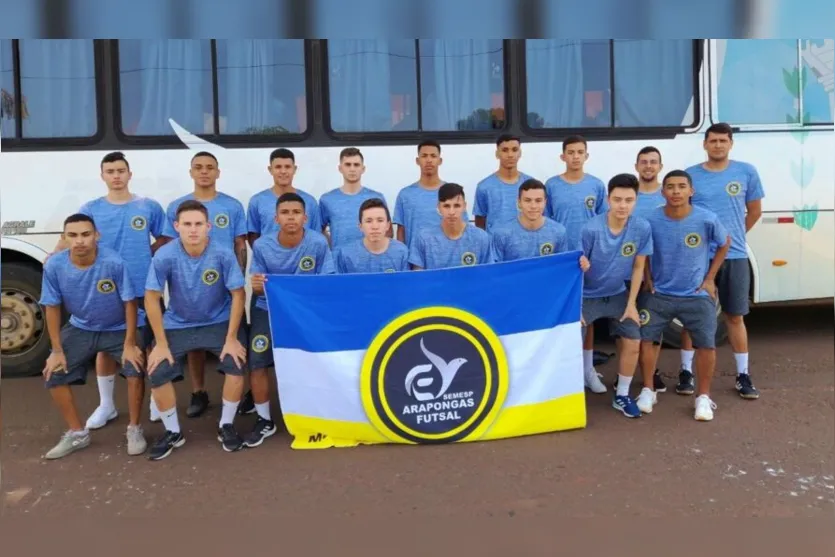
[260, 347]
[696, 313]
[733, 284]
[210, 338]
[81, 347]
[611, 308]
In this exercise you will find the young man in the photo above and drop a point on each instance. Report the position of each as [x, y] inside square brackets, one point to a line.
[733, 191]
[574, 198]
[496, 195]
[94, 285]
[376, 251]
[338, 208]
[291, 250]
[228, 231]
[617, 245]
[416, 207]
[681, 285]
[205, 309]
[131, 226]
[455, 242]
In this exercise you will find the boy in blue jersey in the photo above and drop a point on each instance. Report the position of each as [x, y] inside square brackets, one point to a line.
[131, 226]
[228, 231]
[94, 285]
[416, 206]
[733, 191]
[205, 310]
[376, 251]
[338, 208]
[617, 245]
[291, 250]
[455, 242]
[496, 196]
[680, 284]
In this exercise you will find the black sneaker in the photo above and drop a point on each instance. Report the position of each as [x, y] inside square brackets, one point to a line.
[746, 388]
[658, 383]
[163, 446]
[685, 383]
[199, 404]
[229, 438]
[247, 405]
[263, 429]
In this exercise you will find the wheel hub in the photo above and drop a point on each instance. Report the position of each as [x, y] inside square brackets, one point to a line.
[21, 322]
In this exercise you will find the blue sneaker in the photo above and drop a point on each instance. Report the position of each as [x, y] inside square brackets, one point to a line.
[626, 405]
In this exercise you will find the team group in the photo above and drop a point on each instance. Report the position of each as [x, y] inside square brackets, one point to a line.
[651, 252]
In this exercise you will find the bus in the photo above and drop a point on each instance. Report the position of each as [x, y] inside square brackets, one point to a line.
[65, 103]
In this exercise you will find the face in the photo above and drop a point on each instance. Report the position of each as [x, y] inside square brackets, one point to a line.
[622, 202]
[283, 171]
[375, 224]
[116, 175]
[718, 146]
[204, 171]
[193, 227]
[452, 209]
[574, 156]
[649, 166]
[677, 191]
[429, 159]
[81, 237]
[352, 169]
[509, 154]
[532, 204]
[291, 217]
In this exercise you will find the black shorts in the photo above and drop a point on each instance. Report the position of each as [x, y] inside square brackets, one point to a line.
[733, 284]
[260, 347]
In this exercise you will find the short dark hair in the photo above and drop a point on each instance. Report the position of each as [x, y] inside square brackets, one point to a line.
[505, 137]
[532, 184]
[374, 203]
[720, 128]
[115, 156]
[350, 152]
[450, 190]
[571, 139]
[282, 153]
[289, 197]
[623, 181]
[647, 150]
[429, 143]
[204, 154]
[677, 174]
[191, 205]
[79, 217]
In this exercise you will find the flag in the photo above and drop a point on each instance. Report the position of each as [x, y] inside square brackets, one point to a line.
[453, 355]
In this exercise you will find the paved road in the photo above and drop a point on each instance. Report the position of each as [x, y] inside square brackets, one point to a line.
[772, 457]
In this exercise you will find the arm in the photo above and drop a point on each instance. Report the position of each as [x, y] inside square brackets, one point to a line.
[638, 269]
[481, 222]
[251, 237]
[53, 326]
[401, 233]
[236, 314]
[158, 220]
[153, 312]
[755, 211]
[718, 259]
[240, 252]
[159, 242]
[131, 309]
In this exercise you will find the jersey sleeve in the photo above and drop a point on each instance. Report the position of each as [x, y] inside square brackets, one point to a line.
[253, 218]
[157, 274]
[561, 244]
[238, 219]
[324, 215]
[314, 218]
[754, 191]
[601, 205]
[717, 232]
[487, 253]
[417, 252]
[50, 288]
[326, 264]
[87, 209]
[497, 240]
[482, 201]
[586, 241]
[170, 216]
[123, 282]
[258, 265]
[645, 240]
[157, 219]
[399, 217]
[232, 275]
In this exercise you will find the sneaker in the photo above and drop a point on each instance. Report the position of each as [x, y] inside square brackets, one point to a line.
[199, 404]
[626, 405]
[229, 438]
[247, 405]
[658, 383]
[646, 400]
[100, 416]
[70, 442]
[594, 384]
[686, 385]
[263, 429]
[163, 446]
[704, 408]
[136, 440]
[746, 388]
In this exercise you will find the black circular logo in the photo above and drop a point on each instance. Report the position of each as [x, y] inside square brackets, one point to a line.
[546, 249]
[468, 258]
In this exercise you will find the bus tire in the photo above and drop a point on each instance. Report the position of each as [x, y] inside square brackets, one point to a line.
[672, 334]
[25, 345]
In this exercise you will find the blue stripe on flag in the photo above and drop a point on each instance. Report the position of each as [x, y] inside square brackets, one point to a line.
[328, 313]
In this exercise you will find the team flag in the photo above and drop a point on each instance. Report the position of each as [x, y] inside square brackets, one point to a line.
[463, 354]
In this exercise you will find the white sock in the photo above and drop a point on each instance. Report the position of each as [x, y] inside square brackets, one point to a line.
[588, 362]
[623, 385]
[81, 432]
[170, 420]
[263, 410]
[153, 408]
[106, 385]
[741, 363]
[227, 414]
[687, 360]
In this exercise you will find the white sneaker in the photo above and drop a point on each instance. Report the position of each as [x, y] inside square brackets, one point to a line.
[136, 440]
[704, 408]
[646, 400]
[594, 384]
[100, 416]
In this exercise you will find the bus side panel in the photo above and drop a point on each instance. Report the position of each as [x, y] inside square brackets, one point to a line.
[814, 218]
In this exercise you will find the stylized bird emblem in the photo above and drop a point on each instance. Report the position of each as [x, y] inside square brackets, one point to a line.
[447, 371]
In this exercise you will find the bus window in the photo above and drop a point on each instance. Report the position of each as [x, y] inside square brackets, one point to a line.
[8, 114]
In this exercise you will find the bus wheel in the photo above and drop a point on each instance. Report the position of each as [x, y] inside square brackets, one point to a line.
[672, 335]
[25, 343]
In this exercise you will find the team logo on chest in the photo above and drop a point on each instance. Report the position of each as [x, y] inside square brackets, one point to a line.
[307, 263]
[692, 240]
[628, 249]
[221, 220]
[210, 276]
[106, 286]
[468, 258]
[590, 201]
[138, 222]
[546, 249]
[733, 188]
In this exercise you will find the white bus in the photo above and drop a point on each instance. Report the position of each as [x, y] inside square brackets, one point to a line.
[66, 103]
